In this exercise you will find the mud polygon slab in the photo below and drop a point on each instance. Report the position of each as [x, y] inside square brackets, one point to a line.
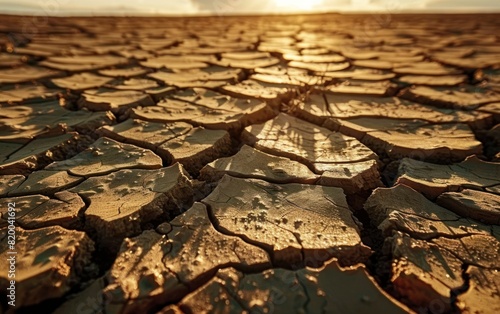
[116, 101]
[106, 155]
[161, 266]
[252, 163]
[403, 209]
[412, 138]
[38, 211]
[308, 290]
[25, 74]
[49, 262]
[123, 201]
[298, 224]
[433, 180]
[468, 97]
[82, 63]
[24, 158]
[81, 81]
[481, 206]
[26, 93]
[201, 107]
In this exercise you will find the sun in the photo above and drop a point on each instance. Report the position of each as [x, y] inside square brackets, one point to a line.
[297, 5]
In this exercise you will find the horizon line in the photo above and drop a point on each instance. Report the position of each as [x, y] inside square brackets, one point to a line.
[129, 13]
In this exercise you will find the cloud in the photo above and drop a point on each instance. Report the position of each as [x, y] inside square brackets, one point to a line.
[336, 5]
[98, 7]
[17, 7]
[223, 7]
[463, 4]
[262, 6]
[395, 6]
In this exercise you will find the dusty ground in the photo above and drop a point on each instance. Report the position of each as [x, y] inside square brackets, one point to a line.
[345, 164]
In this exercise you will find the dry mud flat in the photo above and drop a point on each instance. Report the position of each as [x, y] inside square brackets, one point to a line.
[301, 164]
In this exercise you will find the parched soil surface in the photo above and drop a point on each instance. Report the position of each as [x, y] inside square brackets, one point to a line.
[274, 164]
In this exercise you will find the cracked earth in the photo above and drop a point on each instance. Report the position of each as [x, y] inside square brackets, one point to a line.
[291, 164]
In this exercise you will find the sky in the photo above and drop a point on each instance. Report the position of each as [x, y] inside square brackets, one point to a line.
[222, 7]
